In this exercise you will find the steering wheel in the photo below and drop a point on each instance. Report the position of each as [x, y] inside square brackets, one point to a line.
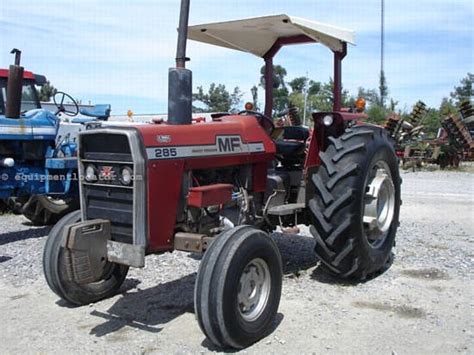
[264, 121]
[60, 105]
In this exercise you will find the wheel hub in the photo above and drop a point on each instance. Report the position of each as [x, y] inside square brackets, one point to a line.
[254, 289]
[379, 206]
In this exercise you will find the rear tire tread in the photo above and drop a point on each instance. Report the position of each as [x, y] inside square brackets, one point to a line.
[322, 190]
[334, 204]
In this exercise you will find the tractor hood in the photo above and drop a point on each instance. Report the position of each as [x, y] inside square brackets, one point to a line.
[36, 124]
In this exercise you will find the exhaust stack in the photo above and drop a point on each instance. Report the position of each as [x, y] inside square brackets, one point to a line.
[14, 87]
[180, 89]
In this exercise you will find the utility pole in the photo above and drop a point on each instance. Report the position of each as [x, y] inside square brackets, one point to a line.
[305, 98]
[382, 55]
[382, 37]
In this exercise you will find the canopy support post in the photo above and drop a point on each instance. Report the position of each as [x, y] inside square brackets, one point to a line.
[268, 86]
[268, 57]
[337, 94]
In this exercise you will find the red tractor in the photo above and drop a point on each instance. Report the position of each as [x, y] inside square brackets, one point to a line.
[219, 187]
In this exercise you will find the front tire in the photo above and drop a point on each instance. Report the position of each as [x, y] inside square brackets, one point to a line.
[238, 287]
[57, 262]
[356, 204]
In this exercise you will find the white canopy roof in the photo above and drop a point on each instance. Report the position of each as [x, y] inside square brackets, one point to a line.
[257, 35]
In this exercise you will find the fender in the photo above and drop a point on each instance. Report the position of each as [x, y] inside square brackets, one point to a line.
[321, 132]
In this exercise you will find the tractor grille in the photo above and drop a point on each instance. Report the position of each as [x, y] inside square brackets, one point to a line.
[105, 147]
[114, 204]
[109, 150]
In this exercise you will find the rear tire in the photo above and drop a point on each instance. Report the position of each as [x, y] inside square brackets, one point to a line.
[3, 207]
[56, 263]
[15, 204]
[356, 204]
[44, 210]
[238, 287]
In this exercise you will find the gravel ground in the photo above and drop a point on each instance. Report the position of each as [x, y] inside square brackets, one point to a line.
[422, 304]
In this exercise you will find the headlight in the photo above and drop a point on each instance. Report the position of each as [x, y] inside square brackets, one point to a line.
[126, 175]
[328, 120]
[90, 173]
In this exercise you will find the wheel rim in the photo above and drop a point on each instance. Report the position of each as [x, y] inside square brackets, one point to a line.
[254, 289]
[379, 209]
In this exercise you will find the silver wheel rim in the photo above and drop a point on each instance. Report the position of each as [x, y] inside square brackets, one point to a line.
[254, 289]
[379, 208]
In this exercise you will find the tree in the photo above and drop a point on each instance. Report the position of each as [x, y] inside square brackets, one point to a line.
[298, 84]
[217, 99]
[279, 74]
[280, 91]
[465, 91]
[46, 92]
[320, 95]
[393, 105]
[254, 91]
[447, 108]
[235, 98]
[371, 96]
[314, 87]
[324, 99]
[377, 114]
[431, 122]
[375, 110]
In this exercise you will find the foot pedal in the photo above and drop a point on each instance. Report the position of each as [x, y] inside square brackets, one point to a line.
[87, 246]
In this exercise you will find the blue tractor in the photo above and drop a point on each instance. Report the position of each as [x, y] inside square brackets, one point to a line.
[37, 163]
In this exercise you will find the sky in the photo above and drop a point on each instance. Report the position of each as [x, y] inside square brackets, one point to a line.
[119, 52]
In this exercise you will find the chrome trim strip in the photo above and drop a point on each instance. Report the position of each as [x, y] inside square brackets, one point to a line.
[139, 168]
[105, 185]
[222, 146]
[107, 161]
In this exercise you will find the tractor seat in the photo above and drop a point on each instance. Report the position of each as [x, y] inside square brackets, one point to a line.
[293, 140]
[298, 133]
[289, 147]
[101, 112]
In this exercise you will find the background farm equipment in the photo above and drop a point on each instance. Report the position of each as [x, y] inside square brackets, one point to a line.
[37, 164]
[466, 110]
[452, 145]
[459, 144]
[406, 131]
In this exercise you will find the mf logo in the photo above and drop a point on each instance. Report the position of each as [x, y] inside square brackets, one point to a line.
[229, 144]
[107, 173]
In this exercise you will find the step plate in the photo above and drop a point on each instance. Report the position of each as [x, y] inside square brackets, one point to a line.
[286, 210]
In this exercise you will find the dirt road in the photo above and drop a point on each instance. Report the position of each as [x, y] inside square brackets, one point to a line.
[422, 304]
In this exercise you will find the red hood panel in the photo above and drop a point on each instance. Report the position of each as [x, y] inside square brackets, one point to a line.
[163, 135]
